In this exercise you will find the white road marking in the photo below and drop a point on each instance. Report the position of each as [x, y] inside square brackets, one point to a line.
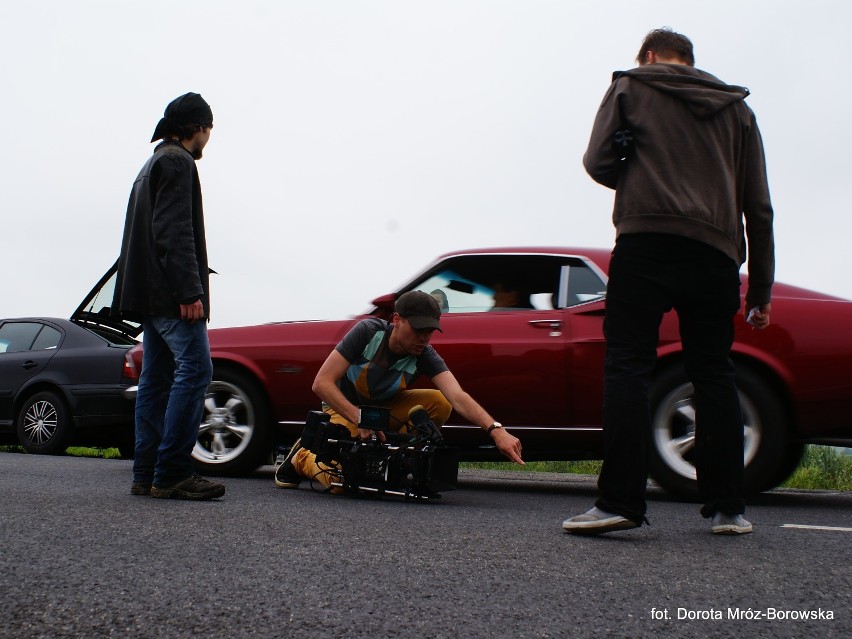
[806, 527]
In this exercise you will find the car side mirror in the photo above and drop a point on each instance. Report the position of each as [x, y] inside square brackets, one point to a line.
[385, 303]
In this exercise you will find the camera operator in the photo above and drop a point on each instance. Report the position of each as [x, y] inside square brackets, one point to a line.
[374, 364]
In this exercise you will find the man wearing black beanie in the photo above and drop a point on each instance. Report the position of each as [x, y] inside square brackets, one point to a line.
[163, 281]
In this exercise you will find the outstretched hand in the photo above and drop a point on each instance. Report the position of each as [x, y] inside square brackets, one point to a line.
[508, 444]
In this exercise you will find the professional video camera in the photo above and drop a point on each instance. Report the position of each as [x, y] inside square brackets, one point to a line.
[414, 465]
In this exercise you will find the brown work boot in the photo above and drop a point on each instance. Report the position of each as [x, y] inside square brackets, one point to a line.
[195, 487]
[285, 474]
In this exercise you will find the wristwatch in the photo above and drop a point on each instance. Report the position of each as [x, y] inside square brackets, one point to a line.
[493, 426]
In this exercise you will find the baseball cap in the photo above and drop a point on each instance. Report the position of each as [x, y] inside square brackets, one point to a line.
[420, 309]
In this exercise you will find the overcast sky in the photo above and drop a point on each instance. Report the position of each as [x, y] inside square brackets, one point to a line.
[355, 141]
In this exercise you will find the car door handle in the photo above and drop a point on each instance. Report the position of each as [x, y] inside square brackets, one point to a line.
[552, 324]
[29, 364]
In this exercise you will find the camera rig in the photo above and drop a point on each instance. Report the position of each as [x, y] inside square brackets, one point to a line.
[414, 465]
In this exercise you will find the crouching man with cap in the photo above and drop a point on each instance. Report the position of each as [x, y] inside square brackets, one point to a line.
[374, 364]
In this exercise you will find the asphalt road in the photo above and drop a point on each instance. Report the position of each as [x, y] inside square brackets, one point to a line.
[81, 557]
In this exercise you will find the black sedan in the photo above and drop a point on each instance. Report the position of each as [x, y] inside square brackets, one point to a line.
[63, 382]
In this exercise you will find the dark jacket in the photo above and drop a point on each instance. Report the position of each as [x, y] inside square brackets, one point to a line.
[163, 261]
[696, 166]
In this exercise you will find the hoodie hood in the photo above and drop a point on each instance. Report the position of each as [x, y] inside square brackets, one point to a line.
[704, 94]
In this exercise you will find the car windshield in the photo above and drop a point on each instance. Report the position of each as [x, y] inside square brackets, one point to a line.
[101, 301]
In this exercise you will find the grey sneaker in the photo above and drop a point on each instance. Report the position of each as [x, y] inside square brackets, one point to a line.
[140, 489]
[730, 524]
[597, 521]
[285, 475]
[195, 487]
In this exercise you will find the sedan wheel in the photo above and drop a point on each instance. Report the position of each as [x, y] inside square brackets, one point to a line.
[233, 433]
[768, 454]
[44, 424]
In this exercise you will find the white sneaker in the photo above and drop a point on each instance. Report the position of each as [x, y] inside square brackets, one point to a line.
[597, 521]
[730, 524]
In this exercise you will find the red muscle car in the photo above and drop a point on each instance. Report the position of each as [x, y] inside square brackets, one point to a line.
[537, 366]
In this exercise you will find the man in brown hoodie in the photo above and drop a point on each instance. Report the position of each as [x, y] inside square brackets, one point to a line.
[685, 157]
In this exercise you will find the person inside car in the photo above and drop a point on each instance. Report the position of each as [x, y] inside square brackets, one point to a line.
[510, 294]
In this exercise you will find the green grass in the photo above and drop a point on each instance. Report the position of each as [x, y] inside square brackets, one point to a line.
[75, 451]
[106, 453]
[822, 468]
[585, 467]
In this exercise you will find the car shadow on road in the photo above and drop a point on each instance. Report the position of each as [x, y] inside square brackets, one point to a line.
[565, 483]
[586, 485]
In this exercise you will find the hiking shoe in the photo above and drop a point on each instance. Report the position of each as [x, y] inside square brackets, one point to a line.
[140, 489]
[285, 475]
[730, 524]
[195, 487]
[597, 521]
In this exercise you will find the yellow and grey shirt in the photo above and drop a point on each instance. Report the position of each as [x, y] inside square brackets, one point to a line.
[375, 373]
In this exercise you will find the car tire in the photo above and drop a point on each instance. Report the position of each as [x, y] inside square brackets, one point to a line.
[45, 426]
[769, 454]
[233, 438]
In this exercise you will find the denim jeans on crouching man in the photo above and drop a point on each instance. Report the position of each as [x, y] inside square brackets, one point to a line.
[649, 275]
[176, 370]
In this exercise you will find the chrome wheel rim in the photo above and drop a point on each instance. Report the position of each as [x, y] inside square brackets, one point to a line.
[673, 430]
[40, 422]
[227, 425]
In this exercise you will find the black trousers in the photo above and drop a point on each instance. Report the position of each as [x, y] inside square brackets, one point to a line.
[649, 275]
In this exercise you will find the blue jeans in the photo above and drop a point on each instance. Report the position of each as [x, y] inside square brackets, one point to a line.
[649, 275]
[176, 370]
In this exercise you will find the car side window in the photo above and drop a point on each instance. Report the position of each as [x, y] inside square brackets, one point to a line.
[48, 338]
[456, 294]
[482, 283]
[581, 285]
[18, 336]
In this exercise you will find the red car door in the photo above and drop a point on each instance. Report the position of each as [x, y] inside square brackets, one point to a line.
[511, 362]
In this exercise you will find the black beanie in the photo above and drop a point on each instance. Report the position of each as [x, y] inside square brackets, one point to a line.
[190, 108]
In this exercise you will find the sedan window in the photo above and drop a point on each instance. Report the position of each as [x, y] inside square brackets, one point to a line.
[18, 336]
[48, 338]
